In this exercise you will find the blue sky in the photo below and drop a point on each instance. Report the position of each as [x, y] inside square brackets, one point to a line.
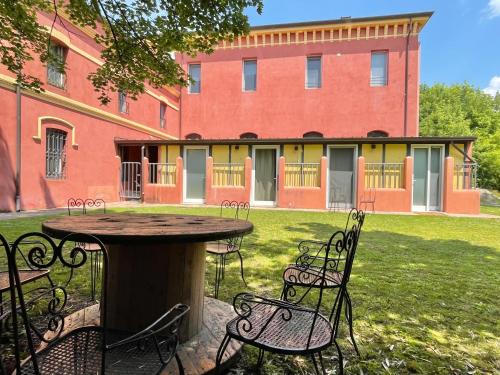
[460, 43]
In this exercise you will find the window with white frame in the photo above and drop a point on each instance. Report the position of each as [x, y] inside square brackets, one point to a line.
[313, 72]
[378, 73]
[249, 75]
[55, 65]
[195, 75]
[122, 102]
[55, 154]
[163, 115]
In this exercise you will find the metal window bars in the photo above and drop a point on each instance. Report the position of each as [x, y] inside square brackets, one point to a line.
[162, 173]
[228, 174]
[384, 175]
[302, 174]
[55, 154]
[465, 176]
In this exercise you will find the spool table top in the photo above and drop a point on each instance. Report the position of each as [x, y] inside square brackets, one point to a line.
[151, 228]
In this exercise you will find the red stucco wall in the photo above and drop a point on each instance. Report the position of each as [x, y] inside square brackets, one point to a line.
[458, 201]
[345, 105]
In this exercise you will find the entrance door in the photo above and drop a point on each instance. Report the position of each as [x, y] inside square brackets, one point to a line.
[427, 178]
[265, 176]
[341, 181]
[130, 178]
[195, 170]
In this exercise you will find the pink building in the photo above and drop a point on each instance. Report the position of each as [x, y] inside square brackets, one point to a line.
[306, 115]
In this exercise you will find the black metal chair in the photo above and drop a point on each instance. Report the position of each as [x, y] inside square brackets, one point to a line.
[61, 338]
[221, 249]
[368, 199]
[285, 327]
[81, 206]
[307, 272]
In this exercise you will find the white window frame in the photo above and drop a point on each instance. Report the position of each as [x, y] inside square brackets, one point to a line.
[386, 82]
[320, 57]
[190, 84]
[243, 82]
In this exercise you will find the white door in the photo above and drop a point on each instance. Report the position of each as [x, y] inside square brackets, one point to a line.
[427, 178]
[264, 172]
[195, 160]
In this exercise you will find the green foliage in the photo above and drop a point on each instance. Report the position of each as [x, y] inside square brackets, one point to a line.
[136, 37]
[462, 110]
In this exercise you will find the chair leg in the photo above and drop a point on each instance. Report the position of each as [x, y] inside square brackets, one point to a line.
[260, 359]
[340, 358]
[220, 352]
[348, 315]
[179, 364]
[323, 371]
[241, 267]
[218, 266]
[316, 368]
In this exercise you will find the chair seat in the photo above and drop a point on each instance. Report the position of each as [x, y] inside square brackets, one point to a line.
[282, 336]
[79, 352]
[307, 276]
[220, 248]
[25, 276]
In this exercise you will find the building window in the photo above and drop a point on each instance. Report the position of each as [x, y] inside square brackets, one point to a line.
[55, 154]
[55, 66]
[312, 135]
[313, 74]
[193, 136]
[378, 69]
[163, 115]
[195, 75]
[249, 75]
[248, 136]
[122, 102]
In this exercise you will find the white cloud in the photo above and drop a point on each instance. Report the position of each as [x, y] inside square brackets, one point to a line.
[494, 8]
[494, 86]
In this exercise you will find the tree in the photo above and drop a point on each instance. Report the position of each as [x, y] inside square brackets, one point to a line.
[136, 37]
[461, 110]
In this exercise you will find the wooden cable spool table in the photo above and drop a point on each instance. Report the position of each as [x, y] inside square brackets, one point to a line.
[155, 261]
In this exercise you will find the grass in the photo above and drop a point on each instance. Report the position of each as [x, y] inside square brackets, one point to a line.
[424, 288]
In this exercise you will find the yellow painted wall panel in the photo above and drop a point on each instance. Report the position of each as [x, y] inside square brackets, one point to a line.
[238, 156]
[173, 152]
[459, 158]
[395, 153]
[162, 154]
[220, 153]
[292, 155]
[372, 155]
[313, 153]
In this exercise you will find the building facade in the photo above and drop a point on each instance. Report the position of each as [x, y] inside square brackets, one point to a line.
[309, 115]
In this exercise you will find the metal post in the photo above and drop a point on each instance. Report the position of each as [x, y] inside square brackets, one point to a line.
[18, 148]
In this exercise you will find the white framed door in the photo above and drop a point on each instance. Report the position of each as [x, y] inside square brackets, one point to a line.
[341, 176]
[427, 176]
[194, 173]
[264, 175]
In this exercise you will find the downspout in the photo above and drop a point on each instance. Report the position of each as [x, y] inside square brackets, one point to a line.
[406, 78]
[18, 148]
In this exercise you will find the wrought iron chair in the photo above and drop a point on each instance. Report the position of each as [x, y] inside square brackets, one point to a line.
[307, 272]
[286, 327]
[221, 249]
[66, 340]
[82, 206]
[368, 199]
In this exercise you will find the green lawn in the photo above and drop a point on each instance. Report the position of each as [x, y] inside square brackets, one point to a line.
[424, 288]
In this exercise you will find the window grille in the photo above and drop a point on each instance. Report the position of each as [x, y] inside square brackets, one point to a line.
[55, 156]
[55, 74]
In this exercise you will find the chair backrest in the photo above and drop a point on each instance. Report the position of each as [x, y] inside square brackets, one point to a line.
[44, 307]
[82, 205]
[76, 205]
[243, 211]
[95, 204]
[355, 217]
[228, 209]
[238, 210]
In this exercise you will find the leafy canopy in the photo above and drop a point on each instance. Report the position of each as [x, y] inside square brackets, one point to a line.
[461, 110]
[136, 37]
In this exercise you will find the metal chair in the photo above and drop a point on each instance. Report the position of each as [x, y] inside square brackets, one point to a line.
[82, 205]
[368, 199]
[307, 272]
[221, 249]
[285, 327]
[62, 340]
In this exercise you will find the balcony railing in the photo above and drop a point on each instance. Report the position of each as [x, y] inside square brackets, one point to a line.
[384, 175]
[163, 173]
[465, 176]
[302, 174]
[228, 174]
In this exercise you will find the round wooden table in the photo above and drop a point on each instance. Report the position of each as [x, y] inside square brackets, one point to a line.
[155, 261]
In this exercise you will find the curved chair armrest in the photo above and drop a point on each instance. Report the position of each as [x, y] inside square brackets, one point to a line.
[242, 301]
[305, 244]
[170, 320]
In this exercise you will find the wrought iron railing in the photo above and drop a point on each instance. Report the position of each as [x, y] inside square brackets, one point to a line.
[384, 175]
[162, 173]
[465, 176]
[228, 174]
[302, 174]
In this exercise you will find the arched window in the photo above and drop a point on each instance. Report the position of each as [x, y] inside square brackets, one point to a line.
[248, 136]
[312, 135]
[377, 133]
[193, 136]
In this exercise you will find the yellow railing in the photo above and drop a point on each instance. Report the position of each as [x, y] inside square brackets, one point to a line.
[465, 176]
[384, 175]
[228, 174]
[163, 173]
[302, 174]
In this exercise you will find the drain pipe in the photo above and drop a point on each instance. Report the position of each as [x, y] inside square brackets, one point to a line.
[406, 78]
[18, 148]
